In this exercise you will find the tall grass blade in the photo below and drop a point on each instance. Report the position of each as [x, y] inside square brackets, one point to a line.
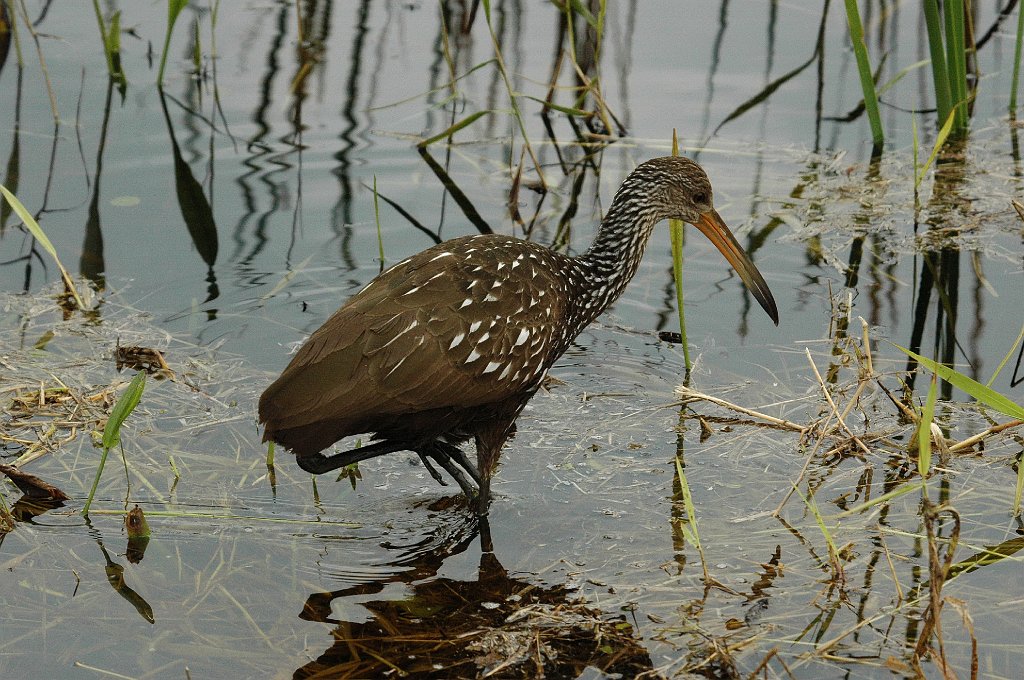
[924, 431]
[833, 552]
[884, 498]
[867, 82]
[676, 233]
[940, 77]
[579, 8]
[174, 8]
[940, 140]
[512, 97]
[691, 532]
[37, 233]
[918, 176]
[451, 130]
[1016, 60]
[1006, 358]
[956, 62]
[985, 395]
[104, 36]
[110, 36]
[112, 430]
[197, 48]
[112, 47]
[567, 110]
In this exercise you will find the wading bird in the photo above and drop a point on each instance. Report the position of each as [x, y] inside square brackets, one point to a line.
[450, 344]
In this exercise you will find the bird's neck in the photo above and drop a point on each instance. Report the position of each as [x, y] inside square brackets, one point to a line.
[614, 256]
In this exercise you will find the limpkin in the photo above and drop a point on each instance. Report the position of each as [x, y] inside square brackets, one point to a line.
[450, 344]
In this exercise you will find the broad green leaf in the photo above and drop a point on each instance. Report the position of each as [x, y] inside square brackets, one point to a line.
[124, 406]
[985, 395]
[174, 8]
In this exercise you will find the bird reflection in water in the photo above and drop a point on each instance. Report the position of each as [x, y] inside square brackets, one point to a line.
[493, 625]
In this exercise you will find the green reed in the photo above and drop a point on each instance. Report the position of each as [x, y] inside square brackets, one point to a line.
[174, 8]
[946, 45]
[1016, 60]
[867, 81]
[676, 233]
[112, 430]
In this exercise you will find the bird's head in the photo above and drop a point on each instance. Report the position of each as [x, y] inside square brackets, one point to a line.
[677, 188]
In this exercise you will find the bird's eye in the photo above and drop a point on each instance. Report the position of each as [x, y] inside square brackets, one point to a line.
[700, 197]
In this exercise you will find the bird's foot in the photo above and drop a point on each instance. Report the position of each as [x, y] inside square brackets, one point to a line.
[459, 456]
[443, 458]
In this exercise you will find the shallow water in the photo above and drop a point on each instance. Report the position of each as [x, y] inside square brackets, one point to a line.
[249, 576]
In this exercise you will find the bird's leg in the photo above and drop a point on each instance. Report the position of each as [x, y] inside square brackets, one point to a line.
[483, 500]
[486, 544]
[489, 442]
[431, 469]
[317, 463]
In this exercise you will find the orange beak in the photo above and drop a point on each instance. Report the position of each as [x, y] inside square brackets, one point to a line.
[714, 228]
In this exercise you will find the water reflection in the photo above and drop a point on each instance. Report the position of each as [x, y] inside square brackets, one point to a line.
[939, 273]
[490, 623]
[195, 208]
[116, 579]
[92, 263]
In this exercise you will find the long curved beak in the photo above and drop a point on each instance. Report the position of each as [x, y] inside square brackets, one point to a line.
[712, 226]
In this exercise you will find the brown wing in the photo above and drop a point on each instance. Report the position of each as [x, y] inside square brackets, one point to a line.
[466, 323]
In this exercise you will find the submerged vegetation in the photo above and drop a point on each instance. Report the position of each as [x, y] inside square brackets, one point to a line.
[850, 489]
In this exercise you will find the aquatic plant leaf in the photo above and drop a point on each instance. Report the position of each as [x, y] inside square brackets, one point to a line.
[468, 120]
[581, 9]
[40, 236]
[985, 395]
[867, 80]
[939, 141]
[174, 8]
[567, 110]
[124, 406]
[675, 228]
[924, 431]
